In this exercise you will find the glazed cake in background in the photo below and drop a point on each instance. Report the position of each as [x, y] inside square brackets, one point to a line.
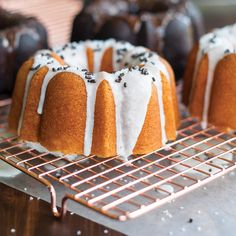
[20, 38]
[169, 27]
[210, 79]
[63, 102]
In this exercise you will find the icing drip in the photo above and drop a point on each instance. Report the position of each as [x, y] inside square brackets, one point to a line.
[91, 99]
[131, 107]
[216, 45]
[131, 87]
[40, 56]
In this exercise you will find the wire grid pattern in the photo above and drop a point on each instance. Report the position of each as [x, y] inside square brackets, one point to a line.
[124, 190]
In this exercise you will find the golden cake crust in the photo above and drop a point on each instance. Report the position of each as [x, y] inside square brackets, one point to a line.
[209, 79]
[62, 110]
[223, 99]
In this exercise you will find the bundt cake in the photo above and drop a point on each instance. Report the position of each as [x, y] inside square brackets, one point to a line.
[20, 38]
[209, 89]
[77, 99]
[168, 27]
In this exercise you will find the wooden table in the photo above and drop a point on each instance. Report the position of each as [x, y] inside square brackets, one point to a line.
[22, 215]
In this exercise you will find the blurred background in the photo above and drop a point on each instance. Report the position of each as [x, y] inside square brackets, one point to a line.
[217, 13]
[57, 15]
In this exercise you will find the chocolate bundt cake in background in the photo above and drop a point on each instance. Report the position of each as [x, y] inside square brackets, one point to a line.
[169, 27]
[20, 38]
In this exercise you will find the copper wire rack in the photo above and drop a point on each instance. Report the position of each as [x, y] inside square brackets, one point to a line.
[125, 190]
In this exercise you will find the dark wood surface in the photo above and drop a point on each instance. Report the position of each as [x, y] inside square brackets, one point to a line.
[21, 215]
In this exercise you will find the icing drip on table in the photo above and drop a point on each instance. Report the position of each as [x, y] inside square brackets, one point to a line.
[131, 86]
[216, 45]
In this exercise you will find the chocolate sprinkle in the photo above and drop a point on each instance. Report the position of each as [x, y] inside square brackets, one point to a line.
[91, 81]
[190, 220]
[226, 51]
[36, 67]
[153, 79]
[118, 80]
[143, 71]
[212, 40]
[150, 54]
[88, 73]
[137, 55]
[125, 84]
[143, 59]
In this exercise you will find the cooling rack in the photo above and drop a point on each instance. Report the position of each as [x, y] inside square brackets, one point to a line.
[125, 190]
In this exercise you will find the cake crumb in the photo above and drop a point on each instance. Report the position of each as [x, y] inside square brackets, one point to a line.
[106, 231]
[13, 230]
[78, 232]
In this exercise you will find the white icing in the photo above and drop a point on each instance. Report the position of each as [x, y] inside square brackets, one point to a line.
[91, 99]
[153, 59]
[74, 54]
[215, 45]
[133, 108]
[131, 94]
